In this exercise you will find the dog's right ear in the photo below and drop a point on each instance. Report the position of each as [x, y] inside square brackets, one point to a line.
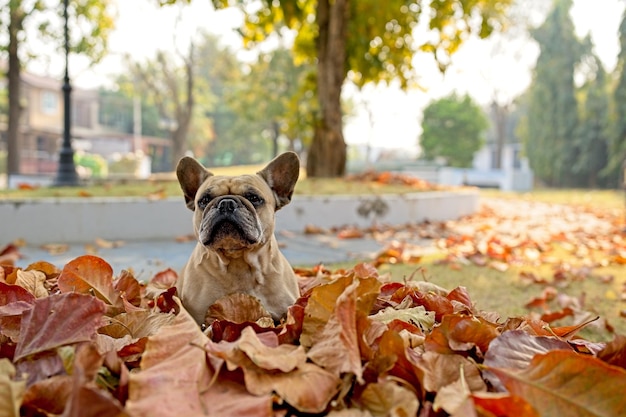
[191, 174]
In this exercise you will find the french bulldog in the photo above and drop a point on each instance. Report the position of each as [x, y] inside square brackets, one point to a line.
[237, 252]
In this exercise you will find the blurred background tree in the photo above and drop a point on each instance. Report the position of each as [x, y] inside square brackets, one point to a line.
[618, 142]
[277, 96]
[91, 23]
[552, 119]
[594, 136]
[365, 40]
[454, 129]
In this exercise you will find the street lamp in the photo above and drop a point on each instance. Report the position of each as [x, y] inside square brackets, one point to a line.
[66, 174]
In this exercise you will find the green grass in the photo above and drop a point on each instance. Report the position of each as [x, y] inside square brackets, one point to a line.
[506, 293]
[165, 185]
[604, 199]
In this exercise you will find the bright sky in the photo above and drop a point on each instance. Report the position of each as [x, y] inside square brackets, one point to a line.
[142, 28]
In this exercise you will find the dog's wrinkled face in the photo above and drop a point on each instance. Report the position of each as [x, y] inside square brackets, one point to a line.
[236, 214]
[231, 213]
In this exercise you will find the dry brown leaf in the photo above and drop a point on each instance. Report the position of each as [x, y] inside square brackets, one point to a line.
[33, 282]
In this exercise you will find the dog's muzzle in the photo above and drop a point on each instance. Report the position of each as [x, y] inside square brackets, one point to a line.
[230, 222]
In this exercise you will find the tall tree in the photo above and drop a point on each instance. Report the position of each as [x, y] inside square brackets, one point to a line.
[277, 95]
[371, 40]
[90, 22]
[453, 128]
[618, 144]
[221, 132]
[510, 47]
[169, 83]
[552, 119]
[594, 137]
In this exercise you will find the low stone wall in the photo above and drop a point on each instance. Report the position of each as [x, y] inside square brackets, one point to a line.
[76, 220]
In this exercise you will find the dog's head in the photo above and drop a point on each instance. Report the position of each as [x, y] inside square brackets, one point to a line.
[236, 214]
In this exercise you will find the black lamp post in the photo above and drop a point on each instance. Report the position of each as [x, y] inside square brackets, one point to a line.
[66, 174]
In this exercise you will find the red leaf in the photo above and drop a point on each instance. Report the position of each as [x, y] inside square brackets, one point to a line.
[615, 352]
[59, 320]
[129, 288]
[12, 293]
[498, 404]
[562, 383]
[89, 275]
[336, 347]
[557, 315]
[226, 398]
[515, 349]
[460, 295]
[164, 279]
[458, 333]
[173, 373]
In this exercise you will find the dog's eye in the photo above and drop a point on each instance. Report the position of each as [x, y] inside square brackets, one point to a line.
[204, 201]
[254, 199]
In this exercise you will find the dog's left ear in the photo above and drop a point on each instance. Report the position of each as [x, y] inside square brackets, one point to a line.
[191, 174]
[281, 174]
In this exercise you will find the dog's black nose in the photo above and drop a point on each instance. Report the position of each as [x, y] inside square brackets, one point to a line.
[227, 205]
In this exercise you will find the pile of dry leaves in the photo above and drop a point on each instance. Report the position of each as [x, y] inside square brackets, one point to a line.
[83, 342]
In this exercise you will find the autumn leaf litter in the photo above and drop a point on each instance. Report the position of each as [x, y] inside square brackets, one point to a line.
[84, 341]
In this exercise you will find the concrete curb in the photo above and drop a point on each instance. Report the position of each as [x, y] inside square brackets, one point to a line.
[78, 220]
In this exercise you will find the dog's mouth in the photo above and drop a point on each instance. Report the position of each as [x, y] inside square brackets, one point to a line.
[226, 230]
[227, 234]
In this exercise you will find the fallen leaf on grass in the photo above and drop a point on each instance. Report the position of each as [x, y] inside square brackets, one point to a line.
[108, 244]
[562, 383]
[55, 248]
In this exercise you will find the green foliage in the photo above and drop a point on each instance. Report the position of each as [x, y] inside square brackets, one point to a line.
[3, 161]
[366, 40]
[618, 144]
[278, 97]
[381, 42]
[96, 165]
[89, 22]
[4, 103]
[116, 110]
[593, 139]
[453, 128]
[222, 133]
[552, 120]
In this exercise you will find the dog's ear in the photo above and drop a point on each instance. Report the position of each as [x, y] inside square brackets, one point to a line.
[281, 174]
[191, 174]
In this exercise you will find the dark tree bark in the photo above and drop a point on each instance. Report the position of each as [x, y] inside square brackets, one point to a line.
[172, 106]
[500, 114]
[15, 109]
[327, 153]
[183, 113]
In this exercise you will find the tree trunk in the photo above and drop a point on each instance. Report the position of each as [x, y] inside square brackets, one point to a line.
[15, 109]
[500, 113]
[327, 153]
[184, 111]
[275, 136]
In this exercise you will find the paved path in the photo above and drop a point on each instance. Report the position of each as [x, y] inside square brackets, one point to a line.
[147, 258]
[509, 220]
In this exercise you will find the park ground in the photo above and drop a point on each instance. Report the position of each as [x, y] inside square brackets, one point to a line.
[559, 255]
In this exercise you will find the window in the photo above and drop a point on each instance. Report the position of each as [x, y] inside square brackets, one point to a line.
[49, 102]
